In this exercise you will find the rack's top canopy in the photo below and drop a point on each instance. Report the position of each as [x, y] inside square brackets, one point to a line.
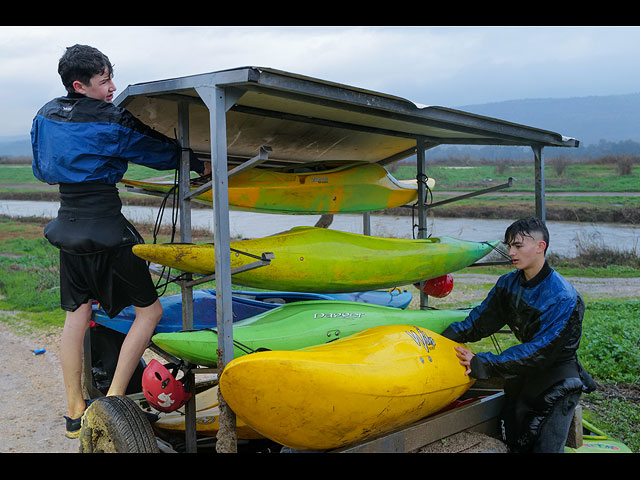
[306, 119]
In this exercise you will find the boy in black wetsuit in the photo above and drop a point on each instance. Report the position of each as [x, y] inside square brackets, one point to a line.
[544, 379]
[83, 143]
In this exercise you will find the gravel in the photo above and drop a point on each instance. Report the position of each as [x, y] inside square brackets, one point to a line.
[32, 393]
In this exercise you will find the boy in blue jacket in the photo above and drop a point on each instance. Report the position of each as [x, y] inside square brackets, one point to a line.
[83, 143]
[543, 377]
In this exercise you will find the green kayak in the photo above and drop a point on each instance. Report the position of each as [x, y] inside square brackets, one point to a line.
[595, 440]
[298, 325]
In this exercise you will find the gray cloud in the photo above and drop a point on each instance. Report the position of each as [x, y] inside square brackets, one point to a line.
[450, 66]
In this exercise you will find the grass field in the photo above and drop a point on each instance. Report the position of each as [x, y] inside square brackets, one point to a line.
[578, 177]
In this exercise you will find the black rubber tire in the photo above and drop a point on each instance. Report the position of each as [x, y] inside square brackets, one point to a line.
[116, 424]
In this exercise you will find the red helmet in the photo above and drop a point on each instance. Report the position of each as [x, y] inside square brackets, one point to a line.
[161, 389]
[439, 287]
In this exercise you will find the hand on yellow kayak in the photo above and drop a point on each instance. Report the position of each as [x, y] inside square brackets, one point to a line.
[465, 355]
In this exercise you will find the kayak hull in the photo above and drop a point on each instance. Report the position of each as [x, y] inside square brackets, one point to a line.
[245, 304]
[350, 187]
[333, 395]
[596, 445]
[310, 259]
[298, 325]
[207, 418]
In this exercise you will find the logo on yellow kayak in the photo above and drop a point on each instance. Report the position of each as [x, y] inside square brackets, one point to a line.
[206, 420]
[422, 339]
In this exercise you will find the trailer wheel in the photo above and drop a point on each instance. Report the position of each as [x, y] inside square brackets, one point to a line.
[116, 424]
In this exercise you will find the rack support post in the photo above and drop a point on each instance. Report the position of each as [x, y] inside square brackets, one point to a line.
[421, 162]
[541, 209]
[185, 288]
[215, 99]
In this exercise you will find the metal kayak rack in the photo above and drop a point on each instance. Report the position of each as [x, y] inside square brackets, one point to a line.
[228, 115]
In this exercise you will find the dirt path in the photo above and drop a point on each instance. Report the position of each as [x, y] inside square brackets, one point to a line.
[32, 393]
[591, 288]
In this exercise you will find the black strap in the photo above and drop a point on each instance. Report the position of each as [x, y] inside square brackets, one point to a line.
[421, 178]
[246, 349]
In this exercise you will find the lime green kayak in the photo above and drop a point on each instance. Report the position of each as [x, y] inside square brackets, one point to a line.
[310, 259]
[314, 188]
[298, 325]
[596, 441]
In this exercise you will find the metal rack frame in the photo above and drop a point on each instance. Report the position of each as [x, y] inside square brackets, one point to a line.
[247, 104]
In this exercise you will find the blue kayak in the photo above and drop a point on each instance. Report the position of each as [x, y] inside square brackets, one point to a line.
[386, 298]
[245, 304]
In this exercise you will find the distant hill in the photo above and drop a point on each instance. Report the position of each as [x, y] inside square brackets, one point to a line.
[612, 118]
[603, 124]
[15, 146]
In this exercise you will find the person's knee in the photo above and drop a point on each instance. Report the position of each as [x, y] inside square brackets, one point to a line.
[151, 314]
[80, 317]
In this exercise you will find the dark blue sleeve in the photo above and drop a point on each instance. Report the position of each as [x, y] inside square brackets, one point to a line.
[144, 146]
[483, 321]
[542, 350]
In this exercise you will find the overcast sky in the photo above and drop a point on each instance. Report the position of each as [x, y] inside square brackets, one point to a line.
[447, 66]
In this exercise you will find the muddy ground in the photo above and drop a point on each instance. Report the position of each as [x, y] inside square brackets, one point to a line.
[32, 390]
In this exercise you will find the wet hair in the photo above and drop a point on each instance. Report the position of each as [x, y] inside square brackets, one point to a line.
[525, 227]
[81, 62]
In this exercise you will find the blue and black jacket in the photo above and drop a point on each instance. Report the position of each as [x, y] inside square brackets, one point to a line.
[84, 145]
[545, 315]
[77, 139]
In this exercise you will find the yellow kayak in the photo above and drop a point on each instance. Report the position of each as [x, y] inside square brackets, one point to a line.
[207, 413]
[311, 259]
[346, 187]
[341, 393]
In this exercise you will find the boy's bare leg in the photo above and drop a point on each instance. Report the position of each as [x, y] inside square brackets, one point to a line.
[134, 345]
[71, 357]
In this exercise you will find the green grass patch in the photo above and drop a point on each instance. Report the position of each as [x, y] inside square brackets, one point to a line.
[575, 177]
[23, 174]
[32, 323]
[610, 347]
[17, 174]
[617, 416]
[29, 275]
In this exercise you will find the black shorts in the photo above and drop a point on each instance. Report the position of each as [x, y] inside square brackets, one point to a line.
[116, 278]
[95, 240]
